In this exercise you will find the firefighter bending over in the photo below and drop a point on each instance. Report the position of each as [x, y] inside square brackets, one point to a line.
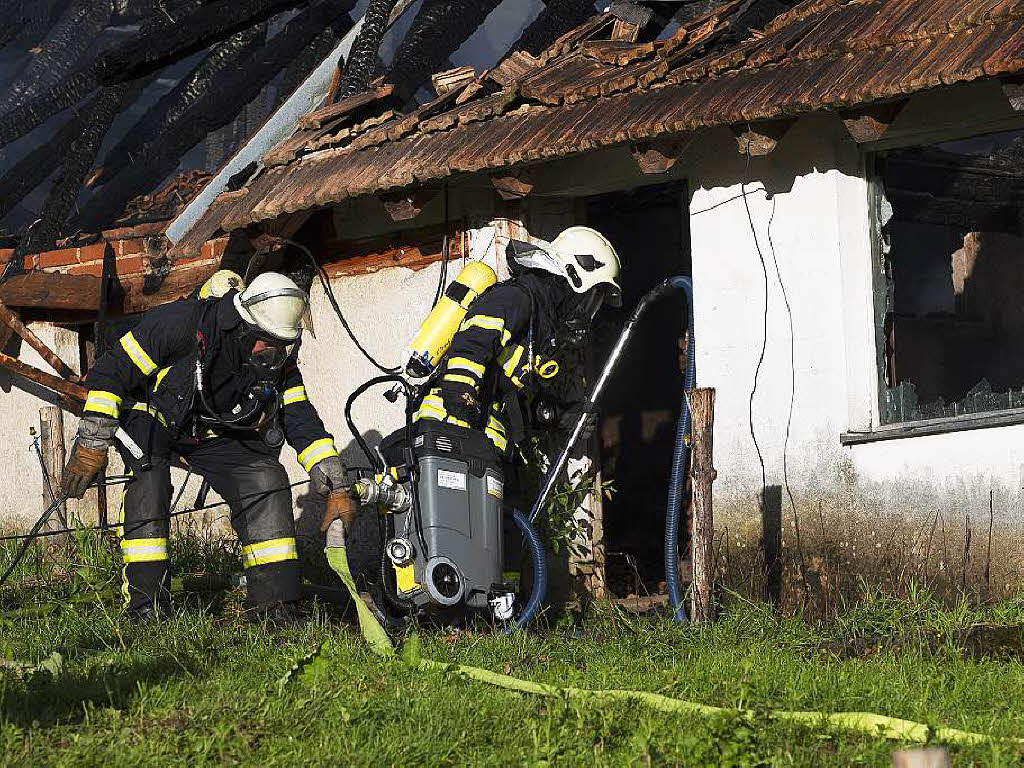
[518, 333]
[216, 382]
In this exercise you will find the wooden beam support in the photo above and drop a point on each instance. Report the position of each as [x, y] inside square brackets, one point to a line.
[407, 205]
[870, 123]
[658, 155]
[1013, 88]
[514, 186]
[703, 474]
[760, 139]
[46, 290]
[48, 380]
[12, 321]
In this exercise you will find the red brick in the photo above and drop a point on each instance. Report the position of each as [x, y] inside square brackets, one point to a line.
[92, 252]
[131, 265]
[58, 258]
[96, 269]
[214, 249]
[139, 230]
[129, 247]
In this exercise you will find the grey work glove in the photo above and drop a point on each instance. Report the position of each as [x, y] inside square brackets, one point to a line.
[97, 431]
[328, 475]
[89, 457]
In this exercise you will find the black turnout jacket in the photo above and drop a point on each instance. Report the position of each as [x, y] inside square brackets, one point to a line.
[488, 363]
[153, 368]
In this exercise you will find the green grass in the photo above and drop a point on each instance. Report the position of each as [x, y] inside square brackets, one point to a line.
[205, 689]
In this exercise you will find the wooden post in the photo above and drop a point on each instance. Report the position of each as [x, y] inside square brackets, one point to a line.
[936, 757]
[702, 471]
[51, 444]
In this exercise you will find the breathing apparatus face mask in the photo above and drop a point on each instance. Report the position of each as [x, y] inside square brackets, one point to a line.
[579, 314]
[265, 356]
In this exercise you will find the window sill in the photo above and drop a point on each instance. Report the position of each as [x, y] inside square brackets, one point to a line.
[941, 426]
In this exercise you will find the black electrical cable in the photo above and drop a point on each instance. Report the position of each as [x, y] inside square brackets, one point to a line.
[325, 283]
[764, 337]
[792, 397]
[376, 462]
[442, 279]
[201, 508]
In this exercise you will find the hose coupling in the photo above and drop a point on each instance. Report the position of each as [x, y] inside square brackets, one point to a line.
[388, 494]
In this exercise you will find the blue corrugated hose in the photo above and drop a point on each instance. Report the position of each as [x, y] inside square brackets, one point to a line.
[677, 478]
[540, 569]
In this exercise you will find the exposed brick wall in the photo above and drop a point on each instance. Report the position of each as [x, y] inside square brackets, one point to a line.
[129, 246]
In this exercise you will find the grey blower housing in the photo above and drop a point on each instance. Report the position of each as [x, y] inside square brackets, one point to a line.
[454, 545]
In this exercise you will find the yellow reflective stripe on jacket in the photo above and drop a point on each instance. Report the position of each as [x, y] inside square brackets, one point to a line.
[294, 395]
[433, 408]
[143, 550]
[106, 403]
[465, 364]
[487, 323]
[510, 358]
[267, 552]
[498, 438]
[460, 379]
[317, 451]
[138, 355]
[151, 411]
[495, 424]
[160, 376]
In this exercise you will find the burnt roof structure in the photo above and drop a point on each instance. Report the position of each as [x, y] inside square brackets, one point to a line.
[590, 90]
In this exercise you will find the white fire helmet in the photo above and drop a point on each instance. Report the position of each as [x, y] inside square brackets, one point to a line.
[583, 256]
[275, 305]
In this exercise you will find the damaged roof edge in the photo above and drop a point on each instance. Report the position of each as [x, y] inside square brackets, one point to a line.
[277, 128]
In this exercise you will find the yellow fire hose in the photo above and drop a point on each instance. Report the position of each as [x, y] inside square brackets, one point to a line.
[878, 726]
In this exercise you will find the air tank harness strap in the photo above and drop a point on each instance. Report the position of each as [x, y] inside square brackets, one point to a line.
[862, 722]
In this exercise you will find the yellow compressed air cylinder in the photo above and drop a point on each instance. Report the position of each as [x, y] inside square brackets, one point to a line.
[435, 335]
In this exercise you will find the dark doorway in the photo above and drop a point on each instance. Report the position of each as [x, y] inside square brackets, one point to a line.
[649, 229]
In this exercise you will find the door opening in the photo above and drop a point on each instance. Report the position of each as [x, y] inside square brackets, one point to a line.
[649, 228]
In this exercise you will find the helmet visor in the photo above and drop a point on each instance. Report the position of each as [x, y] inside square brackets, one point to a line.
[522, 256]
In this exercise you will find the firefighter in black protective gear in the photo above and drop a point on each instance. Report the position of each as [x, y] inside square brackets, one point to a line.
[216, 382]
[518, 334]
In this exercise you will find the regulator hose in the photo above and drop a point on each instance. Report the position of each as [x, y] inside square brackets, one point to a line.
[540, 569]
[677, 477]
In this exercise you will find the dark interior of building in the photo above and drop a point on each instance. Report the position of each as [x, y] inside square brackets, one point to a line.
[639, 412]
[955, 322]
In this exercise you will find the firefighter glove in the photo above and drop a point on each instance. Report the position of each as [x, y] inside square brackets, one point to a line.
[89, 457]
[82, 468]
[328, 475]
[340, 506]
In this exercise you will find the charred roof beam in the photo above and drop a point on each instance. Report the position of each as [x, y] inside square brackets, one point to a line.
[215, 109]
[210, 24]
[439, 29]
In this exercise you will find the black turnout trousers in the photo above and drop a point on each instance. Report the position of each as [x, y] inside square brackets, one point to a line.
[247, 474]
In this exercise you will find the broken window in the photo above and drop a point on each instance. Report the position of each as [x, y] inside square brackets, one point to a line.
[950, 219]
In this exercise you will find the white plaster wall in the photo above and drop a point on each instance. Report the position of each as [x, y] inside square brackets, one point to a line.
[821, 235]
[21, 490]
